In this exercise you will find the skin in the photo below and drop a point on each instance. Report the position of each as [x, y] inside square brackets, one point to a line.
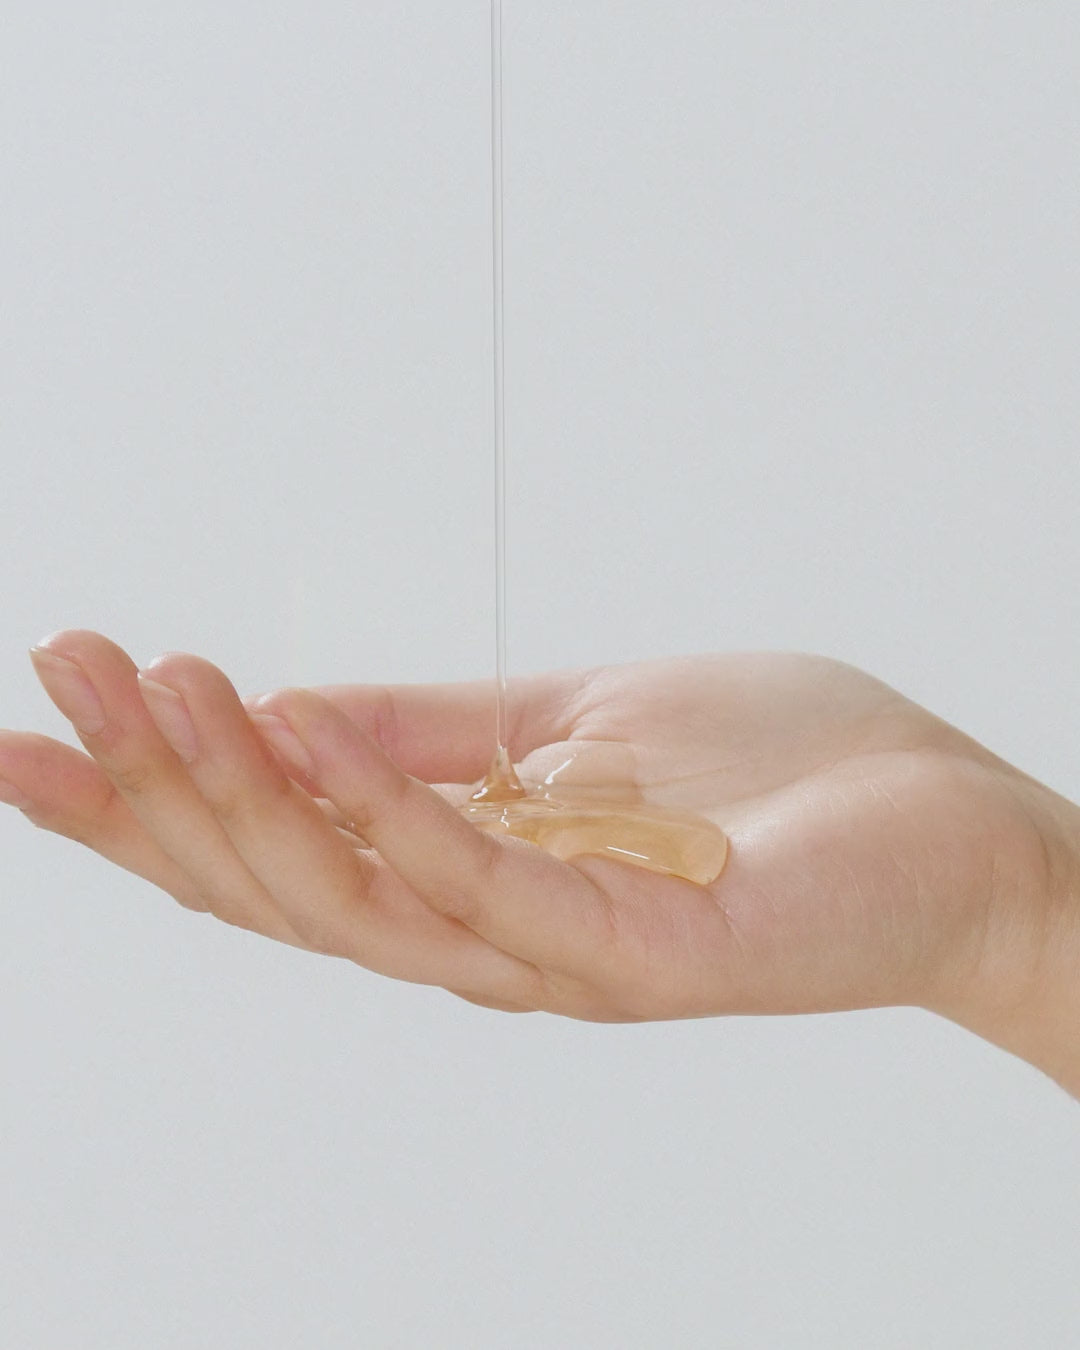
[878, 855]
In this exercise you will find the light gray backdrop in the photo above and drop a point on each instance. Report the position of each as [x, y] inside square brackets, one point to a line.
[792, 314]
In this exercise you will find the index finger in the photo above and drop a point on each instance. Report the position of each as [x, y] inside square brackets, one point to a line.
[444, 733]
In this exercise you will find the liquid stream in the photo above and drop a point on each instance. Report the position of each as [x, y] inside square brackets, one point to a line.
[662, 840]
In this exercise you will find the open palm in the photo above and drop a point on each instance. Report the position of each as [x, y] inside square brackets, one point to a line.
[871, 843]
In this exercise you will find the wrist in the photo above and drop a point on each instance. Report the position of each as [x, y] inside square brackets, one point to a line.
[1023, 986]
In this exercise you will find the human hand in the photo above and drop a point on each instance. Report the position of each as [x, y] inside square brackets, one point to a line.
[879, 856]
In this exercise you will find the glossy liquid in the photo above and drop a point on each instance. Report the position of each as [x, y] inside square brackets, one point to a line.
[665, 841]
[565, 821]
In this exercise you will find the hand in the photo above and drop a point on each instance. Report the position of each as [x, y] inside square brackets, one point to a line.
[879, 856]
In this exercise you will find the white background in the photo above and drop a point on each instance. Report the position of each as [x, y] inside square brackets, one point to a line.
[793, 301]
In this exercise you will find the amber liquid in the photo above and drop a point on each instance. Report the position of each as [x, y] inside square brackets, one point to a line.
[665, 841]
[564, 821]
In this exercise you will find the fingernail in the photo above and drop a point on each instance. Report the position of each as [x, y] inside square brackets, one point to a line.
[171, 717]
[68, 687]
[10, 795]
[284, 742]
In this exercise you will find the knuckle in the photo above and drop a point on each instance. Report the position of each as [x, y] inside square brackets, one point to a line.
[133, 780]
[230, 805]
[360, 819]
[393, 801]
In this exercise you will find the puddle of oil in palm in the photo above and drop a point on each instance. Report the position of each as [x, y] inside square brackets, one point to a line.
[563, 818]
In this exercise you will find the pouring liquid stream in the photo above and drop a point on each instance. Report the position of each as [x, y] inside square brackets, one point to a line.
[656, 838]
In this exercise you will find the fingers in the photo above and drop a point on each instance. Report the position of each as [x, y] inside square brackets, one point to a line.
[340, 900]
[92, 681]
[70, 795]
[443, 733]
[519, 898]
[179, 744]
[179, 757]
[67, 793]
